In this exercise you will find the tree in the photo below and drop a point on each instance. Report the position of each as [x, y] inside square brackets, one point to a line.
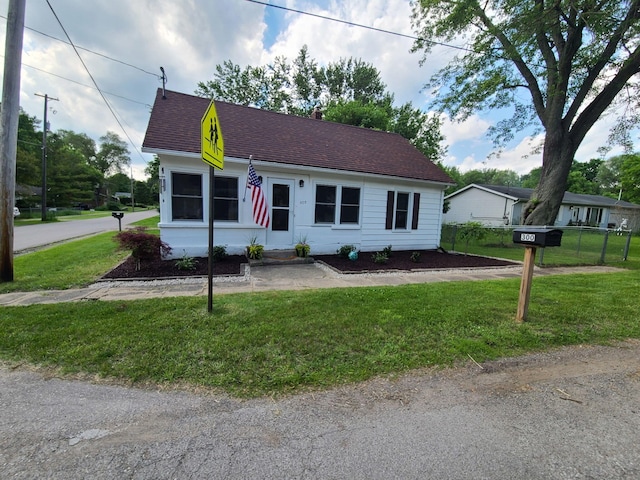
[583, 177]
[349, 91]
[421, 129]
[574, 58]
[29, 151]
[153, 171]
[631, 178]
[620, 177]
[112, 156]
[491, 176]
[70, 178]
[367, 115]
[531, 179]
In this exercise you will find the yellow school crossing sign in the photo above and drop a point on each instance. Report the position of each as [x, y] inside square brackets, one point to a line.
[211, 138]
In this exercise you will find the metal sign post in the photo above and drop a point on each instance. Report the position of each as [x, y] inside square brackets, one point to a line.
[212, 146]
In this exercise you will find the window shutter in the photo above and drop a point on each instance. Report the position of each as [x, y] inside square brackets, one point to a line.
[389, 221]
[416, 210]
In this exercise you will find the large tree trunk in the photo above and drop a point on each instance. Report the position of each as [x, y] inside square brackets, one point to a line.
[544, 204]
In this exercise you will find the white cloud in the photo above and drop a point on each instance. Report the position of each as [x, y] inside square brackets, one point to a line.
[473, 128]
[189, 38]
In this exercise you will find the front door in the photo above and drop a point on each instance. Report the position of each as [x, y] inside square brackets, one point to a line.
[280, 233]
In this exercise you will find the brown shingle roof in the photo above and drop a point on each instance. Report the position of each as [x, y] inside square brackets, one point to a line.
[275, 137]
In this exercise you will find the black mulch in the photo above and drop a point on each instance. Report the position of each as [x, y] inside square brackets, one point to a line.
[233, 264]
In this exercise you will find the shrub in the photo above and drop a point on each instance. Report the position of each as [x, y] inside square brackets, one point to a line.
[186, 263]
[471, 231]
[387, 251]
[415, 257]
[219, 253]
[143, 245]
[380, 257]
[345, 250]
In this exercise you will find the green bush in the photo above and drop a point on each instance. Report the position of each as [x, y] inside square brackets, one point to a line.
[219, 253]
[345, 250]
[380, 257]
[186, 263]
[143, 245]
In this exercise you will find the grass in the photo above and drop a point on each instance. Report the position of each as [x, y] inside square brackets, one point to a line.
[63, 266]
[282, 342]
[579, 247]
[68, 265]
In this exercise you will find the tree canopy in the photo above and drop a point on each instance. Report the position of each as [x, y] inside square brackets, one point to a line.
[349, 91]
[558, 64]
[77, 170]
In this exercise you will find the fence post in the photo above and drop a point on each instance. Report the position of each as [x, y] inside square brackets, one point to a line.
[626, 247]
[604, 246]
[579, 241]
[453, 240]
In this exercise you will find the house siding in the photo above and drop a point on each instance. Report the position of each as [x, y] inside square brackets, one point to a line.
[475, 205]
[189, 237]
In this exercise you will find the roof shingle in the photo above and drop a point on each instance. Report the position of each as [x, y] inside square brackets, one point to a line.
[174, 126]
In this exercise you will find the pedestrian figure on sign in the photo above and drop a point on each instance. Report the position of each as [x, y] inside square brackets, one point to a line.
[213, 135]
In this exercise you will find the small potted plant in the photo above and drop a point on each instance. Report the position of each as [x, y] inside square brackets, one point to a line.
[254, 250]
[302, 247]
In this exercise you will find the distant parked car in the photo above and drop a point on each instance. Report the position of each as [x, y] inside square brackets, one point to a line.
[16, 212]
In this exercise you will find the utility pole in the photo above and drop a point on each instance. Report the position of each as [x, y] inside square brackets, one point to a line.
[9, 132]
[133, 203]
[43, 200]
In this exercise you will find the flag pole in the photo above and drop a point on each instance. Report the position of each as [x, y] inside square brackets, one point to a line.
[246, 185]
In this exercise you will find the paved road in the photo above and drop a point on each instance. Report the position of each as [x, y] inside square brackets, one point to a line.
[28, 237]
[570, 414]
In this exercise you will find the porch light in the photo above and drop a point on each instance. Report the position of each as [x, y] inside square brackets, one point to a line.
[301, 183]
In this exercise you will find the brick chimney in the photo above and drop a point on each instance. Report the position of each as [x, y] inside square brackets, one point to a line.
[316, 114]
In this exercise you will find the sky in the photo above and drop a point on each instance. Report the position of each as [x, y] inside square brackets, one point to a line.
[124, 43]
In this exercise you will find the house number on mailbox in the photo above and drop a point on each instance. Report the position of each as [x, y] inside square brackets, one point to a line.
[527, 237]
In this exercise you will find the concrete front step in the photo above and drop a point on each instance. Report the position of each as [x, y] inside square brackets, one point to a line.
[280, 257]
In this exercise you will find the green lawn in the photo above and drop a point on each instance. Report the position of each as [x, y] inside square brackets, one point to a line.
[579, 247]
[288, 341]
[283, 341]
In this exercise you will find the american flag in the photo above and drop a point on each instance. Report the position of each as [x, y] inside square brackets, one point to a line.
[258, 200]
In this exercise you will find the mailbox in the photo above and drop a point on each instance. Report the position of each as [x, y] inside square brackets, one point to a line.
[538, 237]
[117, 215]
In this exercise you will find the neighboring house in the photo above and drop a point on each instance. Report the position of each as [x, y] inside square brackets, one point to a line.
[330, 183]
[496, 205]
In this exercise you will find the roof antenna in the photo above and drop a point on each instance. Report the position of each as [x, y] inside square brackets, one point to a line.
[164, 82]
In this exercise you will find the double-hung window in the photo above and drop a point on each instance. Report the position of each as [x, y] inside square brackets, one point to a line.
[340, 201]
[186, 196]
[399, 205]
[225, 199]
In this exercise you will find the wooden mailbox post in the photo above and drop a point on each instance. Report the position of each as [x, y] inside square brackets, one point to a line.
[531, 239]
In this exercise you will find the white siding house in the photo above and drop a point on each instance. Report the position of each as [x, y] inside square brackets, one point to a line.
[495, 205]
[328, 183]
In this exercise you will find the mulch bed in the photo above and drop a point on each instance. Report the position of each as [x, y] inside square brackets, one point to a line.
[167, 268]
[401, 260]
[233, 264]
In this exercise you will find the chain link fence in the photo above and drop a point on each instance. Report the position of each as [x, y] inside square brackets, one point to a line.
[580, 245]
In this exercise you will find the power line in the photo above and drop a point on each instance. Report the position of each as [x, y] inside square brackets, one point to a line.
[389, 32]
[94, 81]
[82, 84]
[90, 51]
[353, 24]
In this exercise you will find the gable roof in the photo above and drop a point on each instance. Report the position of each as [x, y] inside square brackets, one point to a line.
[175, 124]
[523, 194]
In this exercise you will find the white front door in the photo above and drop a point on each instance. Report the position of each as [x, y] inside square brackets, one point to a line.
[280, 234]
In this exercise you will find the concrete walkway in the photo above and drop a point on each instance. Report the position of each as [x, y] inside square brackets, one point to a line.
[275, 277]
